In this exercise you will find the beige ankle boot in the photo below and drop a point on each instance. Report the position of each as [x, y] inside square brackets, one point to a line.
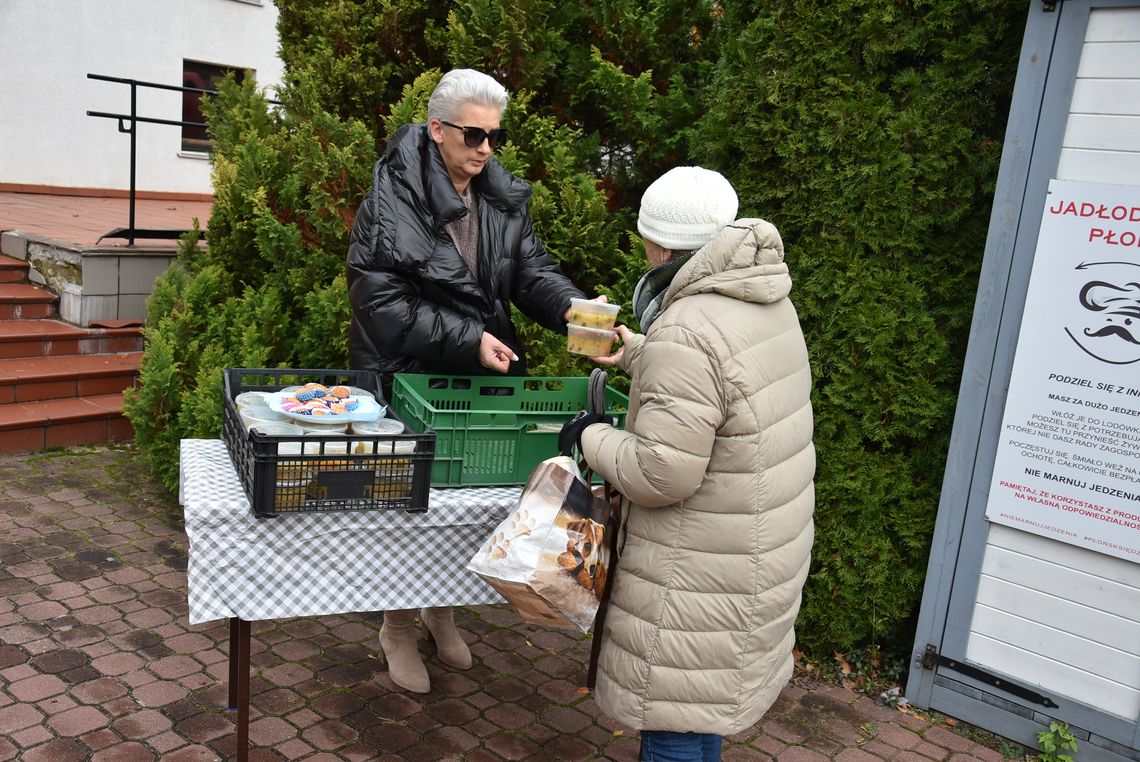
[398, 643]
[440, 624]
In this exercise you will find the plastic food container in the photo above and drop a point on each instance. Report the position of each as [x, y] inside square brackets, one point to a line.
[253, 416]
[384, 426]
[590, 314]
[592, 342]
[277, 429]
[254, 400]
[312, 427]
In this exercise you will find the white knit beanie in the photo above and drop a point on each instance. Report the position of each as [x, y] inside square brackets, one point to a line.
[686, 207]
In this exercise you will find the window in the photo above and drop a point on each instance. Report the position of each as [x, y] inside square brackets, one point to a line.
[204, 76]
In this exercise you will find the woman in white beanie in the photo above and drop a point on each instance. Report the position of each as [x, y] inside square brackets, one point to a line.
[716, 466]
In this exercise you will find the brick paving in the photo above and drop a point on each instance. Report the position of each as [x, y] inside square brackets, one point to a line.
[98, 661]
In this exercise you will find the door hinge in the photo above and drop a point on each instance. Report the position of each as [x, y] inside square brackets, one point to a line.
[932, 659]
[1050, 5]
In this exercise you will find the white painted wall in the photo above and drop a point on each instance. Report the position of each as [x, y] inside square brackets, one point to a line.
[1047, 613]
[49, 47]
[1102, 137]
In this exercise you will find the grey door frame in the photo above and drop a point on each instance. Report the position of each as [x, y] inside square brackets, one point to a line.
[1042, 94]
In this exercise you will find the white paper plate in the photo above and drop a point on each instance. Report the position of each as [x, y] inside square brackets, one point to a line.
[354, 391]
[368, 410]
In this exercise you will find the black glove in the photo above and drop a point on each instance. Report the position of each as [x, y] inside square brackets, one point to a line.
[571, 435]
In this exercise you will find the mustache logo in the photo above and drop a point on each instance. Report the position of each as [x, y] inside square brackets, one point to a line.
[1111, 330]
[1113, 340]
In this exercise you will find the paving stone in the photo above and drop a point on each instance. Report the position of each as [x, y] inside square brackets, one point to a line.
[195, 753]
[509, 716]
[159, 693]
[270, 731]
[511, 746]
[125, 752]
[59, 660]
[390, 738]
[942, 737]
[452, 712]
[329, 734]
[900, 738]
[31, 736]
[17, 717]
[569, 748]
[37, 688]
[57, 750]
[102, 738]
[11, 655]
[204, 727]
[77, 721]
[566, 720]
[140, 725]
[337, 705]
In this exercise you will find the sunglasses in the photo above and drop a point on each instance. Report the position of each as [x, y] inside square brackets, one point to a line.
[473, 137]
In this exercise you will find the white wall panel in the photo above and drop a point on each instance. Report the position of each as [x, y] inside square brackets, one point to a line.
[1109, 60]
[1108, 696]
[1103, 132]
[1106, 96]
[50, 46]
[1113, 25]
[1087, 622]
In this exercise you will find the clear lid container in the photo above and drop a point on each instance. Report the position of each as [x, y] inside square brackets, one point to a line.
[275, 429]
[592, 342]
[381, 426]
[591, 314]
[253, 416]
[251, 400]
[312, 427]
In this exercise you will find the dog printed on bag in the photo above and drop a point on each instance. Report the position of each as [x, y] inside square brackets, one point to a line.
[584, 557]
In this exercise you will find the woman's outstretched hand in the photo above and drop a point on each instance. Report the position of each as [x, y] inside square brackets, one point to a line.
[624, 335]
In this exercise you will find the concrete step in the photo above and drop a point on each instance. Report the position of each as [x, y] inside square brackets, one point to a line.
[32, 379]
[23, 301]
[13, 270]
[48, 424]
[46, 338]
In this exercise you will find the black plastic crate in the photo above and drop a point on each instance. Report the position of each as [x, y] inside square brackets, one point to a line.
[327, 472]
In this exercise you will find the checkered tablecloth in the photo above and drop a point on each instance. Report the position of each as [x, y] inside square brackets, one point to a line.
[310, 564]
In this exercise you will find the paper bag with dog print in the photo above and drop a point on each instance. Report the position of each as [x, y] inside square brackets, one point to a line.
[549, 558]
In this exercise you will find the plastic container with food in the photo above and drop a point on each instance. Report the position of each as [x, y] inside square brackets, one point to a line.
[590, 314]
[592, 342]
[381, 426]
[313, 427]
[251, 400]
[253, 416]
[278, 429]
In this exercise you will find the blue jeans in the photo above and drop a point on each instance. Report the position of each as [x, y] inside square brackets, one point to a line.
[670, 746]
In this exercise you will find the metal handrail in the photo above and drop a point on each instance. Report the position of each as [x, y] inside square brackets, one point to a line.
[131, 232]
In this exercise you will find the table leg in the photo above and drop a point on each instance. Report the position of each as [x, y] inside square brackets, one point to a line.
[232, 699]
[239, 682]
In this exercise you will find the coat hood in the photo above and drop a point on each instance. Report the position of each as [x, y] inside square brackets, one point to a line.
[745, 261]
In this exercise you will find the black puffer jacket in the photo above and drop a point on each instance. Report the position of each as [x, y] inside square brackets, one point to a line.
[416, 307]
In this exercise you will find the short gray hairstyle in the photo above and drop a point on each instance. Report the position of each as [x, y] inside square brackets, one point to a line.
[459, 87]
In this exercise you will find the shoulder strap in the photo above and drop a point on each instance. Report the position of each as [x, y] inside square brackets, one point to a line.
[613, 528]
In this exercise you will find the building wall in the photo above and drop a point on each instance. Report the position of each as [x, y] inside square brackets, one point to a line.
[1047, 613]
[46, 137]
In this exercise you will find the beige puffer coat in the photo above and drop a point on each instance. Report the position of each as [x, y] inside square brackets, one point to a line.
[716, 466]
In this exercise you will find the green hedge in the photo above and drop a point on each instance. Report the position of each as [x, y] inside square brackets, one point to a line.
[870, 133]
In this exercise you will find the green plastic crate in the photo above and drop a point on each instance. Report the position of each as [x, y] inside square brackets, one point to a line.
[493, 430]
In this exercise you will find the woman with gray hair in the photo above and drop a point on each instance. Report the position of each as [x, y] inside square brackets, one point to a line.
[441, 247]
